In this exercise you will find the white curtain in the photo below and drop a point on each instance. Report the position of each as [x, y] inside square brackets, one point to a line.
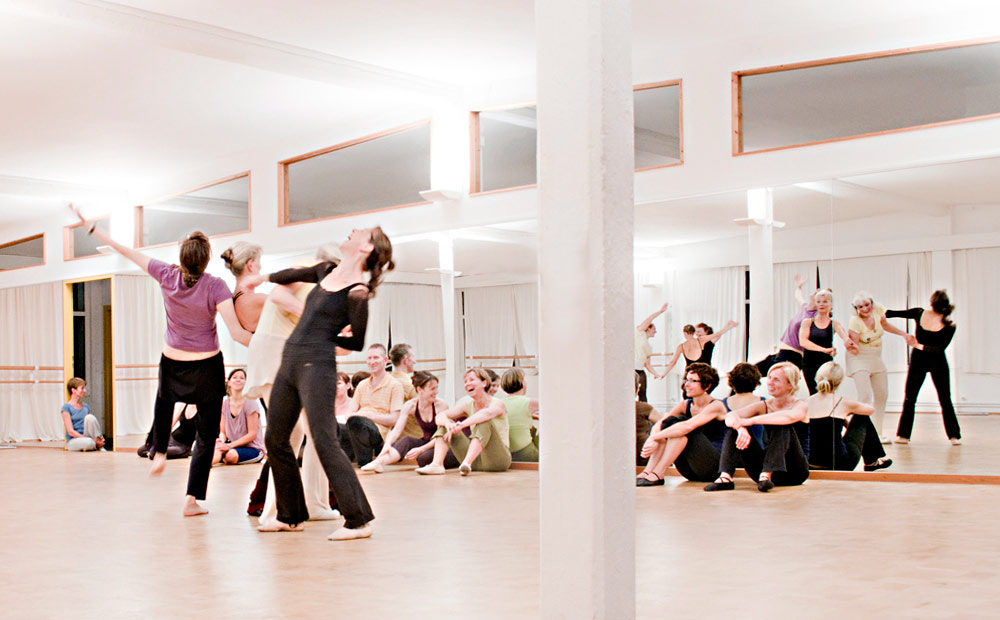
[886, 279]
[785, 305]
[526, 316]
[31, 331]
[712, 296]
[415, 319]
[920, 284]
[490, 323]
[975, 298]
[139, 323]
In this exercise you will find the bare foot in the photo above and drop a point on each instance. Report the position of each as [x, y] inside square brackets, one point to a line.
[346, 533]
[324, 515]
[374, 467]
[159, 463]
[273, 525]
[192, 508]
[430, 470]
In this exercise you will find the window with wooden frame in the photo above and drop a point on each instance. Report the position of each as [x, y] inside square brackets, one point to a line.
[864, 95]
[218, 208]
[77, 243]
[504, 140]
[385, 170]
[27, 252]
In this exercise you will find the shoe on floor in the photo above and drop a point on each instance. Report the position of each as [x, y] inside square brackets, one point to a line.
[465, 469]
[902, 440]
[882, 463]
[430, 470]
[280, 526]
[764, 485]
[646, 482]
[886, 440]
[955, 441]
[725, 485]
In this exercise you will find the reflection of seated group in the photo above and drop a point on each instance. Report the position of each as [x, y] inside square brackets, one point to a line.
[83, 429]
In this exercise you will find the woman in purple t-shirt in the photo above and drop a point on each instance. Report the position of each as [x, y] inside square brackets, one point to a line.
[241, 441]
[191, 366]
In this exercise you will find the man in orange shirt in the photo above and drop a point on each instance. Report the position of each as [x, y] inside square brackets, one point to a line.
[379, 399]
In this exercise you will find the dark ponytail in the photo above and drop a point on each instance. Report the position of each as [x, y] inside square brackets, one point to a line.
[379, 259]
[195, 254]
[942, 305]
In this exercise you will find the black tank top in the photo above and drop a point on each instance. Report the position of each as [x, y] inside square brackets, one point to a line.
[821, 336]
[428, 428]
[325, 315]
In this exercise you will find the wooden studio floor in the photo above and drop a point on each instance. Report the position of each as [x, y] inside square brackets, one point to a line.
[91, 536]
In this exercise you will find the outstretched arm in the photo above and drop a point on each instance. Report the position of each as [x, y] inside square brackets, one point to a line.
[800, 298]
[848, 341]
[649, 319]
[136, 257]
[715, 337]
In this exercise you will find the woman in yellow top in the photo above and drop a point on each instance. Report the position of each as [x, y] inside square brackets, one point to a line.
[521, 410]
[865, 365]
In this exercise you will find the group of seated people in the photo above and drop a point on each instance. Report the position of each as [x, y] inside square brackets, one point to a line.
[777, 440]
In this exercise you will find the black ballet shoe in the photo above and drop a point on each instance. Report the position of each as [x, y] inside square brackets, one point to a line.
[764, 485]
[720, 485]
[882, 463]
[646, 482]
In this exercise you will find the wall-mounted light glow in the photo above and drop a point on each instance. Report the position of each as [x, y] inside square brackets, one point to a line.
[759, 203]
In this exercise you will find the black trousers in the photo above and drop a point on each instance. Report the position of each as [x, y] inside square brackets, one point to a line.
[308, 380]
[936, 364]
[699, 462]
[811, 361]
[365, 440]
[642, 385]
[860, 443]
[782, 455]
[783, 355]
[201, 383]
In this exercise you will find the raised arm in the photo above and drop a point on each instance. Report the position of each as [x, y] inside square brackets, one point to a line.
[136, 257]
[715, 337]
[909, 313]
[800, 297]
[228, 313]
[301, 274]
[649, 319]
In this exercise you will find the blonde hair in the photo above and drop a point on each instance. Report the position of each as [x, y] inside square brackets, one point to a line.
[829, 377]
[512, 380]
[824, 292]
[791, 371]
[239, 254]
[482, 374]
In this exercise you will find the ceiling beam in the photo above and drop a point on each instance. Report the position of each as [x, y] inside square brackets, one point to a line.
[877, 198]
[231, 46]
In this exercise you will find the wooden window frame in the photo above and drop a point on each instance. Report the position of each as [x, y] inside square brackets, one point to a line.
[137, 232]
[285, 163]
[737, 92]
[475, 149]
[68, 245]
[7, 244]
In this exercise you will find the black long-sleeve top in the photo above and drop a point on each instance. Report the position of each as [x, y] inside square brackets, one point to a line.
[302, 274]
[933, 341]
[327, 313]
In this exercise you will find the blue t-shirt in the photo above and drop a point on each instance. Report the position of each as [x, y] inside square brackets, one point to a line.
[76, 416]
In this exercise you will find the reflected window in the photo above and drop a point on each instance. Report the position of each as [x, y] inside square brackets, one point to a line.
[22, 253]
[840, 98]
[78, 243]
[657, 117]
[384, 170]
[220, 208]
[507, 146]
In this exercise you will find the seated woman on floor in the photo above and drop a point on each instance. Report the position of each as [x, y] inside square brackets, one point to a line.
[83, 430]
[690, 437]
[780, 460]
[416, 425]
[831, 447]
[489, 447]
[239, 439]
[521, 410]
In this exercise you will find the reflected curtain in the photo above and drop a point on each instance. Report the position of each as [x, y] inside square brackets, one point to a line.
[490, 323]
[31, 330]
[975, 297]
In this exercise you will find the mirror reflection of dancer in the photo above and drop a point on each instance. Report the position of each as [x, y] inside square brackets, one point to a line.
[305, 380]
[934, 333]
[789, 348]
[816, 337]
[644, 351]
[191, 367]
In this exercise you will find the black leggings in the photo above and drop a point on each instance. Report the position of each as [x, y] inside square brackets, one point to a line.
[304, 381]
[811, 361]
[860, 443]
[936, 364]
[781, 455]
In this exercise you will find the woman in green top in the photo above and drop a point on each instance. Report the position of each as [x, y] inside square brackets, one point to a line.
[488, 449]
[521, 410]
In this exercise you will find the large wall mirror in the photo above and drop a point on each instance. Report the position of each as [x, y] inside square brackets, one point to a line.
[27, 252]
[898, 235]
[221, 207]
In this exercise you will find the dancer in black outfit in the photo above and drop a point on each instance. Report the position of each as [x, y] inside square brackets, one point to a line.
[816, 338]
[934, 333]
[335, 315]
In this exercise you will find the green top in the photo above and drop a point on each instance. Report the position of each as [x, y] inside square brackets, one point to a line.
[499, 424]
[519, 420]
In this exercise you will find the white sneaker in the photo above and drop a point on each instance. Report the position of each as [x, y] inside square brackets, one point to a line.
[902, 440]
[374, 466]
[886, 440]
[430, 470]
[955, 441]
[464, 469]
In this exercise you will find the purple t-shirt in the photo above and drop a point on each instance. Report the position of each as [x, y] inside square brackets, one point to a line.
[791, 335]
[190, 311]
[236, 427]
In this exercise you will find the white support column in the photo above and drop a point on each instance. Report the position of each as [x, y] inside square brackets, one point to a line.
[585, 165]
[446, 262]
[760, 211]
